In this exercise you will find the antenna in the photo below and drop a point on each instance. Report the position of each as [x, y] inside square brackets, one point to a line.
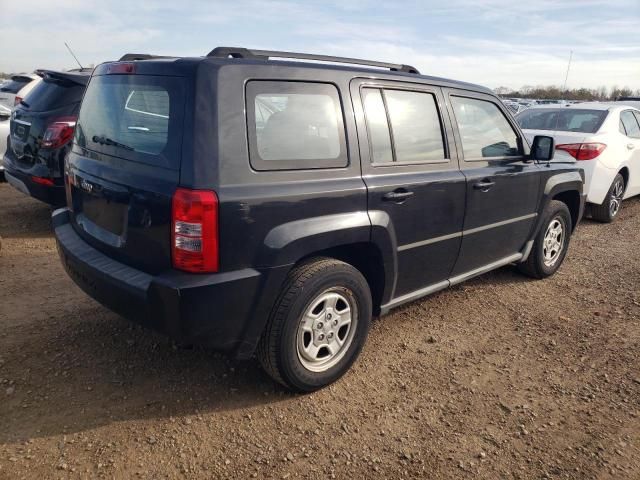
[564, 87]
[73, 55]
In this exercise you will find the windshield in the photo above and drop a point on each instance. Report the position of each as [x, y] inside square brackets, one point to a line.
[573, 120]
[138, 117]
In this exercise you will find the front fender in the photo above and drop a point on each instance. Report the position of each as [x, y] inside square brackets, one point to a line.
[571, 181]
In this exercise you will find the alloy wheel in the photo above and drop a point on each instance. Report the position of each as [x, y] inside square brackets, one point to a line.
[326, 330]
[553, 243]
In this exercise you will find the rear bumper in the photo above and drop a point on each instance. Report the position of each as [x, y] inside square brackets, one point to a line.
[225, 311]
[53, 195]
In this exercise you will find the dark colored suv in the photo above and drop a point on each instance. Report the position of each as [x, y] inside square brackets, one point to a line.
[40, 134]
[251, 204]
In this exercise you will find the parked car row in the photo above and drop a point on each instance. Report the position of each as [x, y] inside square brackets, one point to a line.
[259, 205]
[14, 89]
[605, 141]
[41, 130]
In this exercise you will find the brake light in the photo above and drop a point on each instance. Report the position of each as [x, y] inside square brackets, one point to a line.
[194, 230]
[59, 132]
[16, 101]
[47, 182]
[125, 68]
[582, 151]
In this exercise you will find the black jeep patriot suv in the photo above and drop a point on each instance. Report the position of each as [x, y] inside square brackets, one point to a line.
[274, 206]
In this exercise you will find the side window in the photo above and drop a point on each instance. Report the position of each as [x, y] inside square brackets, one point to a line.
[417, 133]
[294, 126]
[484, 130]
[377, 126]
[403, 126]
[630, 124]
[621, 128]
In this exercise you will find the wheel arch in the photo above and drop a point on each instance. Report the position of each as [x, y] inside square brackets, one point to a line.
[367, 258]
[624, 171]
[571, 198]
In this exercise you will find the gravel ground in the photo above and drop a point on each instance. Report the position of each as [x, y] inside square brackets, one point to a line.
[499, 378]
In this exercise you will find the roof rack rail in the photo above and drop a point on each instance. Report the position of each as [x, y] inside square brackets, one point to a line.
[225, 52]
[128, 57]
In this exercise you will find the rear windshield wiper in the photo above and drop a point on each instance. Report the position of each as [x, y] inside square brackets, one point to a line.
[102, 140]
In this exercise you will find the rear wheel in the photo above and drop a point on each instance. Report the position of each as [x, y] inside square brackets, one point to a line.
[551, 244]
[608, 210]
[318, 326]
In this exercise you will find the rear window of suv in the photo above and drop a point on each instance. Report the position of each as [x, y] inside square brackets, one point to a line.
[574, 120]
[51, 94]
[137, 117]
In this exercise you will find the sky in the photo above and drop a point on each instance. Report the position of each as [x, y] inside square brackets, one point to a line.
[495, 43]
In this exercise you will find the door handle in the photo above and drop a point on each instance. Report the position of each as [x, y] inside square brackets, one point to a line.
[397, 196]
[484, 185]
[630, 146]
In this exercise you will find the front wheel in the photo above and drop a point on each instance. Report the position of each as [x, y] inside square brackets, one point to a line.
[551, 244]
[608, 210]
[318, 326]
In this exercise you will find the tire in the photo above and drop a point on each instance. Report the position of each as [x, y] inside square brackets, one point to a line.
[608, 210]
[547, 255]
[312, 309]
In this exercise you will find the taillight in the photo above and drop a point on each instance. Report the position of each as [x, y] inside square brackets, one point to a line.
[17, 100]
[582, 151]
[194, 230]
[47, 182]
[59, 132]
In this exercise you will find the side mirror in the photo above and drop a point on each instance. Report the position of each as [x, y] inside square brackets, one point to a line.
[543, 148]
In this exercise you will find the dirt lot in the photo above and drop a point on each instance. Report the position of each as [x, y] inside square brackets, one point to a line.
[499, 378]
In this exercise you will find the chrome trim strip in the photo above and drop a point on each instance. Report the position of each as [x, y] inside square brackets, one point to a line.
[499, 224]
[471, 231]
[22, 122]
[409, 297]
[487, 268]
[422, 243]
[417, 294]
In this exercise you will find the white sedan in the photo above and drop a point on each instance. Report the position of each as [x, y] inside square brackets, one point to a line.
[603, 138]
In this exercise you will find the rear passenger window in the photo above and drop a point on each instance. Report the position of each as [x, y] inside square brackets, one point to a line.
[295, 125]
[630, 124]
[378, 126]
[484, 129]
[403, 126]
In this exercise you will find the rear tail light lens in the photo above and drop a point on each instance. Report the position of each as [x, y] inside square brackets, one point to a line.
[59, 132]
[582, 151]
[194, 232]
[17, 100]
[47, 182]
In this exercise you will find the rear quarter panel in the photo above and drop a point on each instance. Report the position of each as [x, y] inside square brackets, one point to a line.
[272, 218]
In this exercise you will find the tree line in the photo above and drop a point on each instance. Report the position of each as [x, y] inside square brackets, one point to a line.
[557, 93]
